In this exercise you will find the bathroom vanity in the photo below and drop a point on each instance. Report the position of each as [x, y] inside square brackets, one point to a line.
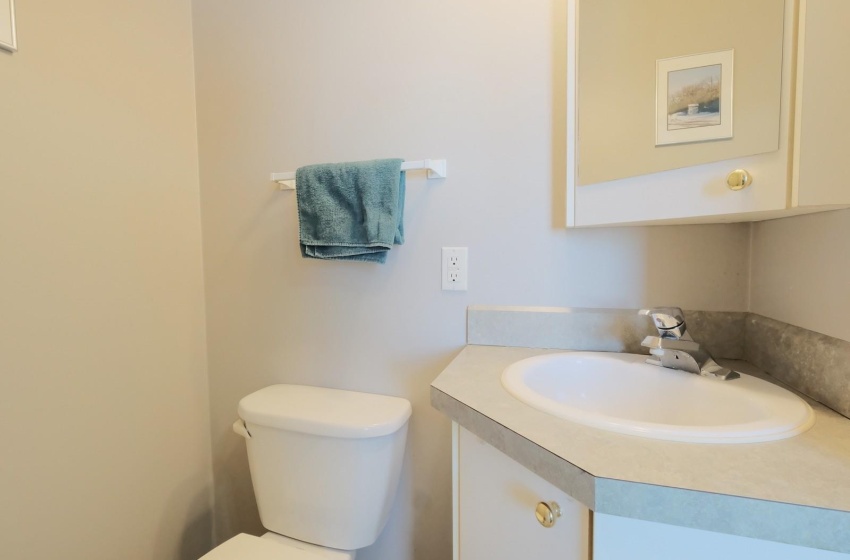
[788, 127]
[623, 497]
[497, 498]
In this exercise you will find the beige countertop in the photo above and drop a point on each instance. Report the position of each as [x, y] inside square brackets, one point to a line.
[795, 490]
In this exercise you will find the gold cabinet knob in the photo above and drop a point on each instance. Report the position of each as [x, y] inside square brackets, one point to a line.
[547, 513]
[739, 179]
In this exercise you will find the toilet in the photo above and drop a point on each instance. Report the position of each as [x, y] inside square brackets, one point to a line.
[325, 465]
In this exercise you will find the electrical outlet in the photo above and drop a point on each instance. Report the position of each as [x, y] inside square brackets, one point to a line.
[455, 268]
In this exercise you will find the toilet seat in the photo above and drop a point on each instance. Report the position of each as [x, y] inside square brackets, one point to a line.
[249, 547]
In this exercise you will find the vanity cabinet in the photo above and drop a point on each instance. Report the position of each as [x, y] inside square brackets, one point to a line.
[621, 538]
[495, 503]
[617, 175]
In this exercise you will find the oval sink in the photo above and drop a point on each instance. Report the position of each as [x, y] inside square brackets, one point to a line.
[622, 393]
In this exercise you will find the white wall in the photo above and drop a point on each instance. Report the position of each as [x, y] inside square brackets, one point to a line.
[285, 83]
[103, 391]
[801, 271]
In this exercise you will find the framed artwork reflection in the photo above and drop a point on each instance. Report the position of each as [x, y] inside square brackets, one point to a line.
[694, 98]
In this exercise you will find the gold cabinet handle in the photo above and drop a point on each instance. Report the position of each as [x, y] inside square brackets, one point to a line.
[547, 514]
[739, 179]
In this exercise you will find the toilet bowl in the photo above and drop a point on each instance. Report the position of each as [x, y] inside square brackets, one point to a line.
[325, 466]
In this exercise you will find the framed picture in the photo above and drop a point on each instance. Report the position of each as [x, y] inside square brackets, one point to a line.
[7, 25]
[694, 98]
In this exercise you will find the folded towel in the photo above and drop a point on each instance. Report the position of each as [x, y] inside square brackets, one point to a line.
[350, 211]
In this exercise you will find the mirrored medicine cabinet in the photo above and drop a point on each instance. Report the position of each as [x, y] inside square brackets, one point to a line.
[666, 100]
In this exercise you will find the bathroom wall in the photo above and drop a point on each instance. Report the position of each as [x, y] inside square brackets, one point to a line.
[103, 389]
[800, 271]
[286, 83]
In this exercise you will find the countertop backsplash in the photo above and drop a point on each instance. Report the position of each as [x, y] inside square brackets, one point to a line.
[814, 364]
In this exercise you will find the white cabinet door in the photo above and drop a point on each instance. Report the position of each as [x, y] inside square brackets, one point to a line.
[496, 499]
[687, 192]
[822, 129]
[620, 538]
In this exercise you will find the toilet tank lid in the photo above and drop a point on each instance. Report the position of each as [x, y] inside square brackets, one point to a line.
[325, 412]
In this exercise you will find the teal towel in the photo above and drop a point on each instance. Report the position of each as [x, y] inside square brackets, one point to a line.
[350, 211]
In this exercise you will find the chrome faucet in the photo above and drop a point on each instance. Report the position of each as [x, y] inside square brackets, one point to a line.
[675, 349]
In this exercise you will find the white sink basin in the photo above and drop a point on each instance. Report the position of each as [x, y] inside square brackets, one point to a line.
[621, 393]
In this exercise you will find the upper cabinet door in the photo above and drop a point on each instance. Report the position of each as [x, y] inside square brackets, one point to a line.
[666, 99]
[822, 126]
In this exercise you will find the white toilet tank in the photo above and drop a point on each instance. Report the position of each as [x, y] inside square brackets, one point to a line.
[325, 463]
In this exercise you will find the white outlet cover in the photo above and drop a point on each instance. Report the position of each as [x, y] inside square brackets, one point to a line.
[455, 271]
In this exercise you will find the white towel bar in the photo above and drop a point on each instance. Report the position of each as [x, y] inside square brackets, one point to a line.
[436, 170]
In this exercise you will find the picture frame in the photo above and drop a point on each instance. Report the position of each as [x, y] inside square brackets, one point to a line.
[8, 39]
[694, 98]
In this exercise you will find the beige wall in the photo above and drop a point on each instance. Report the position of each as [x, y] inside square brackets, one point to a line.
[287, 83]
[103, 390]
[801, 271]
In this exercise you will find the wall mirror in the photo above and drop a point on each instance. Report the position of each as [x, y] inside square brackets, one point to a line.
[666, 84]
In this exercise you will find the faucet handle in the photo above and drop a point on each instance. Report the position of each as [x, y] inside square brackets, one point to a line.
[670, 321]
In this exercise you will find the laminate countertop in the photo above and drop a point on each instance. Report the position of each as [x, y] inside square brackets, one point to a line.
[795, 491]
